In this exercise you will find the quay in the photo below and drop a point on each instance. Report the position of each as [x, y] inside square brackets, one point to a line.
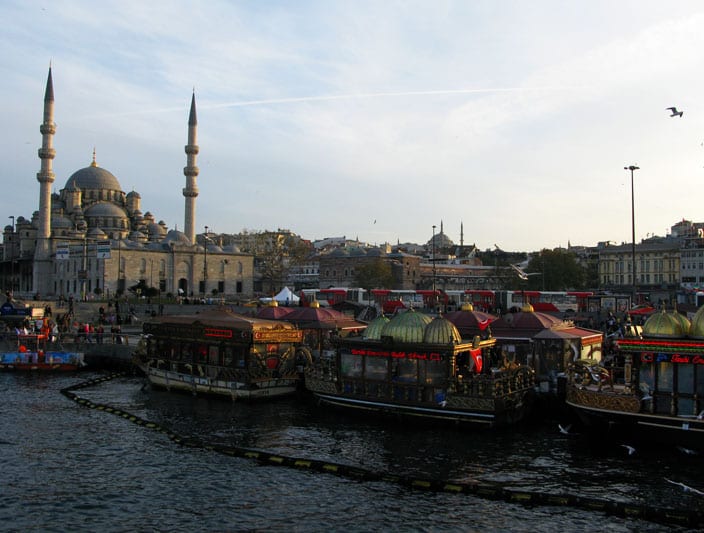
[113, 351]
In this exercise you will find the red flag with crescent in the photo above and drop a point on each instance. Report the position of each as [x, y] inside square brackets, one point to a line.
[477, 358]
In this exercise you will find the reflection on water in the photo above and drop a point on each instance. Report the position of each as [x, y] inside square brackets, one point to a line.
[70, 467]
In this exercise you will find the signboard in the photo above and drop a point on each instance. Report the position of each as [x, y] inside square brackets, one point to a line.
[103, 251]
[62, 252]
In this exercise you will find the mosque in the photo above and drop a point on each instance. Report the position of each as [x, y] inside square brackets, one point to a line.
[92, 239]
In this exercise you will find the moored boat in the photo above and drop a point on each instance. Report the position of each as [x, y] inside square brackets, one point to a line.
[35, 353]
[418, 367]
[654, 392]
[222, 353]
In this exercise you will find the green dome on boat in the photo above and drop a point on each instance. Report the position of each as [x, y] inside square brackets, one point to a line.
[663, 325]
[407, 327]
[441, 331]
[683, 320]
[696, 329]
[375, 327]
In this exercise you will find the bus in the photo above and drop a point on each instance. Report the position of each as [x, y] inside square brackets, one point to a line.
[546, 301]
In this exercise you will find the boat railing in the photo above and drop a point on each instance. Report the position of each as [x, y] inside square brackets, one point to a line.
[501, 382]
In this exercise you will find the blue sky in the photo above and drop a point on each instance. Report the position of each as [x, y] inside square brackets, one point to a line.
[370, 119]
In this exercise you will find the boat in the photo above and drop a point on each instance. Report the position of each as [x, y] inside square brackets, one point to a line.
[35, 352]
[417, 367]
[222, 353]
[654, 389]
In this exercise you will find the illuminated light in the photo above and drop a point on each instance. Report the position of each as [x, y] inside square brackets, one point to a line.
[331, 468]
[302, 463]
[421, 483]
[452, 488]
[274, 459]
[219, 333]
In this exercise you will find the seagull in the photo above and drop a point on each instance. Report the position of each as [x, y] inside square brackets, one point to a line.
[700, 415]
[686, 488]
[675, 113]
[564, 430]
[686, 451]
[631, 449]
[442, 403]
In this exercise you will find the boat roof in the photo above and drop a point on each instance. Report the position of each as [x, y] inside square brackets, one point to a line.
[222, 317]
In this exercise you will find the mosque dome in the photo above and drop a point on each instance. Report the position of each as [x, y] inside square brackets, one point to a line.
[662, 324]
[156, 230]
[93, 177]
[231, 248]
[407, 327]
[104, 209]
[59, 221]
[177, 237]
[441, 331]
[375, 327]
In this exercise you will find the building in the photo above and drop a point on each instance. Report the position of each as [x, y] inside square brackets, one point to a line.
[91, 238]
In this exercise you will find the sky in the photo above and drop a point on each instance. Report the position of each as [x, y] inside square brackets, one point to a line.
[367, 119]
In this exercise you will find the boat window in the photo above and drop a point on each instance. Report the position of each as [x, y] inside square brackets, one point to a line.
[685, 379]
[406, 370]
[664, 377]
[700, 380]
[351, 365]
[376, 368]
[227, 355]
[213, 355]
[435, 373]
[646, 378]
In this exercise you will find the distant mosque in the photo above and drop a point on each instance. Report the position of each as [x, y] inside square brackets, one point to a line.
[93, 239]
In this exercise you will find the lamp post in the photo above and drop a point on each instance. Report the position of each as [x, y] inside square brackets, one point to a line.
[205, 262]
[433, 259]
[633, 168]
[12, 256]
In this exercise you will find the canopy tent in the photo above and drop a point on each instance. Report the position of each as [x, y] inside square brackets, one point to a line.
[285, 296]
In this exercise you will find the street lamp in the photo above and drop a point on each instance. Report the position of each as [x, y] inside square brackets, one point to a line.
[205, 262]
[633, 168]
[12, 256]
[433, 259]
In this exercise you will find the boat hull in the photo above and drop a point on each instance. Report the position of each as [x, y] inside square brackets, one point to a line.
[485, 412]
[620, 416]
[234, 390]
[52, 361]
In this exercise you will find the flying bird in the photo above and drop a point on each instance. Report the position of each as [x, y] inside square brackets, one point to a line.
[631, 449]
[564, 430]
[686, 451]
[675, 113]
[686, 488]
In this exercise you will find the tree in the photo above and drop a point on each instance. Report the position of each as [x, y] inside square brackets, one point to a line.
[555, 270]
[275, 253]
[374, 275]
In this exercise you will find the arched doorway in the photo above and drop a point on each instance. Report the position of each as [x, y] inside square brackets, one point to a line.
[183, 287]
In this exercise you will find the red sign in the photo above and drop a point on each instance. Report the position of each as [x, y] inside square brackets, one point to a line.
[431, 356]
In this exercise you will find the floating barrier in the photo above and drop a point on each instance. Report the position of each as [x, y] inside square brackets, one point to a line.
[481, 489]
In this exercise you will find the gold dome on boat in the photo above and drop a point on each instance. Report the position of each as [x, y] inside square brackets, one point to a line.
[441, 331]
[375, 327]
[696, 329]
[407, 327]
[663, 324]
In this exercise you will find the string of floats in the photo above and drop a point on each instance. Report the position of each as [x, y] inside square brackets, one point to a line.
[491, 491]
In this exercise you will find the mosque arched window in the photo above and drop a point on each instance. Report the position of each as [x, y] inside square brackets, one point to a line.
[240, 267]
[143, 265]
[162, 268]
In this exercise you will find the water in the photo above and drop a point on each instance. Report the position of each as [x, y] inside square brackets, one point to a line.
[69, 468]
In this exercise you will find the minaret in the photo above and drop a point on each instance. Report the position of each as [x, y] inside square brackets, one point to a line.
[190, 192]
[42, 255]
